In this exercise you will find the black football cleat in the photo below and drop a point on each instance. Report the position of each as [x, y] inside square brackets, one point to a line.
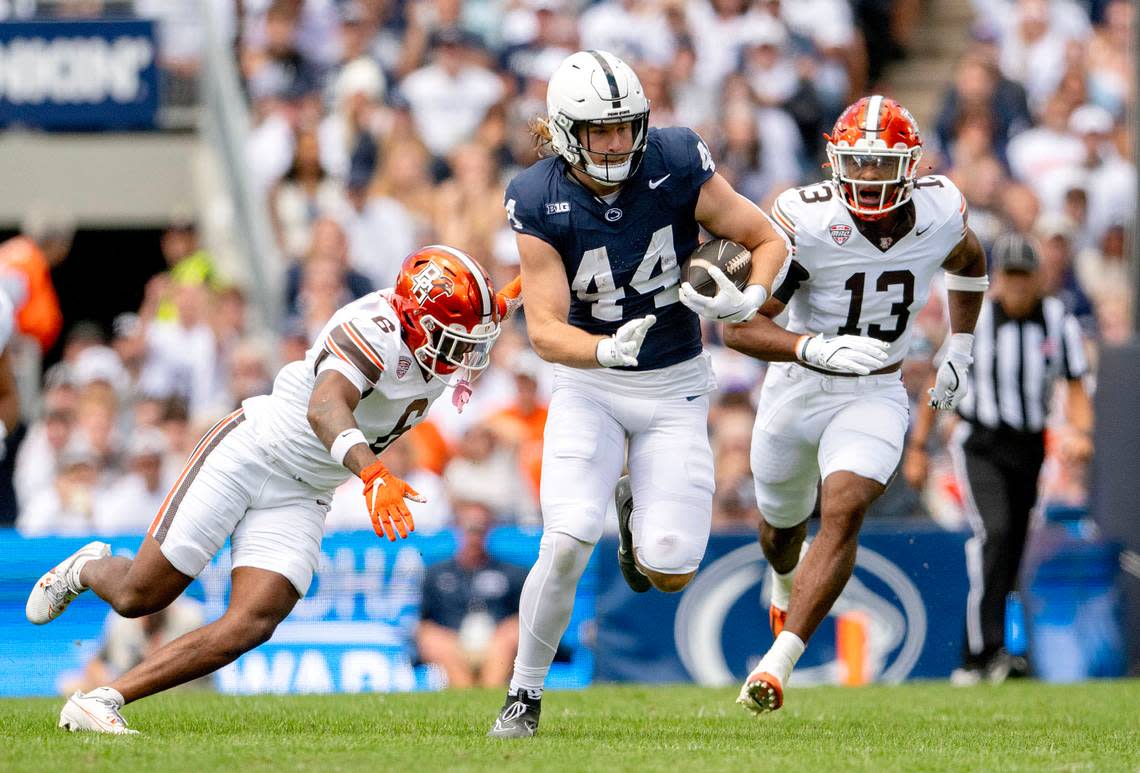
[518, 718]
[623, 500]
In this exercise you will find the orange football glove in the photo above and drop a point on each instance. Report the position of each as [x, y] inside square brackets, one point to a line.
[509, 298]
[384, 495]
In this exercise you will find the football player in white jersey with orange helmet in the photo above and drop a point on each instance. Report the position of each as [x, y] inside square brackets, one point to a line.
[264, 476]
[866, 245]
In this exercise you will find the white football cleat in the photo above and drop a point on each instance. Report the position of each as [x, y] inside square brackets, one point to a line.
[96, 711]
[59, 587]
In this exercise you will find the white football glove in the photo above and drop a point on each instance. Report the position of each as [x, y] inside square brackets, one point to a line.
[950, 383]
[729, 304]
[622, 347]
[843, 354]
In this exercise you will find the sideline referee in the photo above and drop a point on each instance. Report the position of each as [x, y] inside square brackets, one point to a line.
[1023, 343]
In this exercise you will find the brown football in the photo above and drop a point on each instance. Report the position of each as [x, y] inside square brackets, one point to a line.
[735, 261]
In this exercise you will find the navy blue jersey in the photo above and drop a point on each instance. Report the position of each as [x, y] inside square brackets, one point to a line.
[622, 258]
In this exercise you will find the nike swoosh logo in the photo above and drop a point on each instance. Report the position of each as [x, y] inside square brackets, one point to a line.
[694, 397]
[921, 231]
[654, 183]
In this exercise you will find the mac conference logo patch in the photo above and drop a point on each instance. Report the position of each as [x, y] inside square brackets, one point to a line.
[840, 233]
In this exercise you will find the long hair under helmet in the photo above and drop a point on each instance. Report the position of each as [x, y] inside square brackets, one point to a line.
[596, 88]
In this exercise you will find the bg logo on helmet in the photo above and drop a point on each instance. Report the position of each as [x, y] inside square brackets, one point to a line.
[431, 284]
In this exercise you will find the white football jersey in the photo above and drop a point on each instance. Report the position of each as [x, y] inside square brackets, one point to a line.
[839, 283]
[362, 341]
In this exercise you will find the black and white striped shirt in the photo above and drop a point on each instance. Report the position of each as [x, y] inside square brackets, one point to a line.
[1016, 363]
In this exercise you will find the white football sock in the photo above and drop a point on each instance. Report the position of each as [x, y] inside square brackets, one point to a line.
[108, 693]
[782, 656]
[545, 605]
[782, 583]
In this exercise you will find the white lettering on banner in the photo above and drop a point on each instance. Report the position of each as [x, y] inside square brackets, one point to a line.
[282, 672]
[252, 673]
[74, 70]
[313, 674]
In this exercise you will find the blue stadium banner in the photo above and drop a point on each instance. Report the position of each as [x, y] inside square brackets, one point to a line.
[79, 75]
[906, 604]
[353, 631]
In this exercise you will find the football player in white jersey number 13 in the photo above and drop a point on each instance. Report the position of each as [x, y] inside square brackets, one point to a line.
[264, 476]
[866, 245]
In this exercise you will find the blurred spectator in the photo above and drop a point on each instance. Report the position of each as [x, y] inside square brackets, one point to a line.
[129, 504]
[271, 58]
[469, 608]
[25, 273]
[182, 353]
[981, 182]
[484, 471]
[66, 507]
[979, 89]
[1044, 153]
[469, 206]
[521, 424]
[635, 30]
[1058, 274]
[1033, 44]
[351, 129]
[734, 503]
[305, 194]
[1103, 269]
[450, 97]
[776, 81]
[324, 277]
[127, 641]
[1109, 180]
[47, 436]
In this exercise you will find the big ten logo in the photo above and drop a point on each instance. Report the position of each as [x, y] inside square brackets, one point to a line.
[325, 669]
[74, 70]
[372, 583]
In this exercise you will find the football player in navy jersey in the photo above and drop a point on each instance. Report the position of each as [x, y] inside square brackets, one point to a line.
[600, 226]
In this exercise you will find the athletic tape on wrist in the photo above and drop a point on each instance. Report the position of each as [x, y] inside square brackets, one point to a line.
[967, 284]
[344, 441]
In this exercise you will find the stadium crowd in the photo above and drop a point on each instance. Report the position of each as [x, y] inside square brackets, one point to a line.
[380, 126]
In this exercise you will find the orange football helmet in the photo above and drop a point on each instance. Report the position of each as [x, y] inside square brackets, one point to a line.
[874, 151]
[448, 311]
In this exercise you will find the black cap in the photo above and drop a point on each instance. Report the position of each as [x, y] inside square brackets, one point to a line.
[1013, 252]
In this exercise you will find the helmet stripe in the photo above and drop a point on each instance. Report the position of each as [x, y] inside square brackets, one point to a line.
[874, 107]
[614, 94]
[473, 267]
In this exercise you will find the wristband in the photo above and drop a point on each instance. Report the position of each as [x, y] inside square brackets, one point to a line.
[345, 441]
[606, 353]
[967, 284]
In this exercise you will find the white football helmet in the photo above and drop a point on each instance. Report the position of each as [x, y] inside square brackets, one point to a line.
[595, 87]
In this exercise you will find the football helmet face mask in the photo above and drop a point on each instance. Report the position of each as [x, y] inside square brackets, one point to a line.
[448, 313]
[874, 151]
[596, 89]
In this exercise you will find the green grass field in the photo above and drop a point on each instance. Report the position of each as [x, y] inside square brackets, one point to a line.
[917, 727]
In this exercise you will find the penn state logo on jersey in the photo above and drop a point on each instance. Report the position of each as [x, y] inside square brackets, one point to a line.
[622, 256]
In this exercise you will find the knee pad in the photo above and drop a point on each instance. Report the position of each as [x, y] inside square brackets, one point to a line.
[668, 551]
[567, 555]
